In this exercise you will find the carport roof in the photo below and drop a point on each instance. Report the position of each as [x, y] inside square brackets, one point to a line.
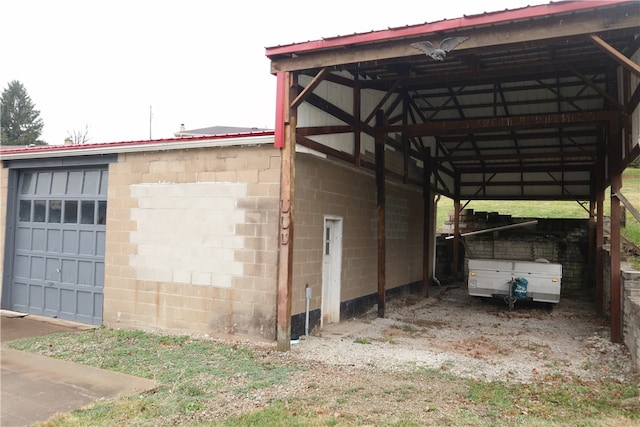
[530, 105]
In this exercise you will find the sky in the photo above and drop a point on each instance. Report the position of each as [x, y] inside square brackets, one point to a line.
[130, 70]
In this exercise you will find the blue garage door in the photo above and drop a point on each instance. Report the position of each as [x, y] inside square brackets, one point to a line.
[58, 268]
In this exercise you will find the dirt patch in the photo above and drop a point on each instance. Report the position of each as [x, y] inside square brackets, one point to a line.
[475, 338]
[418, 360]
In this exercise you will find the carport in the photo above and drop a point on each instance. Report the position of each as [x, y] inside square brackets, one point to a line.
[537, 103]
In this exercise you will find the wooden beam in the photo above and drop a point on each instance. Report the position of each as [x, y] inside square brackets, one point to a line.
[456, 234]
[622, 60]
[599, 252]
[615, 178]
[427, 221]
[285, 235]
[310, 87]
[380, 210]
[310, 143]
[324, 130]
[627, 204]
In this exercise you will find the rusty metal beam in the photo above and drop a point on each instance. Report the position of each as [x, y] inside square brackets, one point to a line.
[524, 156]
[453, 127]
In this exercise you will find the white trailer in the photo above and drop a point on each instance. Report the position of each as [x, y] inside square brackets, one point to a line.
[495, 278]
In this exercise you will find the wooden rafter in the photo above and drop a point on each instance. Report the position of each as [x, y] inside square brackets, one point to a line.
[622, 60]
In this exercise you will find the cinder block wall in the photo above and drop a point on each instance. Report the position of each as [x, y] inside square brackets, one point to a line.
[191, 241]
[631, 312]
[325, 187]
[559, 241]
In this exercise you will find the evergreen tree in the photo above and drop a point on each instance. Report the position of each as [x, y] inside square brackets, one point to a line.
[20, 122]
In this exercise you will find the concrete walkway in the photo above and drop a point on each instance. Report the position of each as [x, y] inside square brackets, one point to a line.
[35, 387]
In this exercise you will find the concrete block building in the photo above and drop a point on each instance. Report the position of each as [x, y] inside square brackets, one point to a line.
[232, 233]
[182, 234]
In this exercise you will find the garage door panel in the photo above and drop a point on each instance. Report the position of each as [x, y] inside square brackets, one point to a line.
[87, 243]
[74, 182]
[91, 183]
[59, 182]
[43, 183]
[52, 270]
[23, 238]
[38, 239]
[58, 258]
[101, 238]
[85, 303]
[51, 300]
[69, 273]
[39, 211]
[36, 298]
[67, 301]
[37, 268]
[20, 293]
[22, 266]
[53, 240]
[99, 275]
[70, 241]
[85, 273]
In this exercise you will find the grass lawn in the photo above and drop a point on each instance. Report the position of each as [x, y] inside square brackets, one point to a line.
[517, 208]
[204, 382]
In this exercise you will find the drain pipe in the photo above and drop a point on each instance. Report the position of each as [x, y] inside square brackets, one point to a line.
[306, 313]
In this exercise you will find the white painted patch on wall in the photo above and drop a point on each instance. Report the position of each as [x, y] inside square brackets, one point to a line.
[186, 233]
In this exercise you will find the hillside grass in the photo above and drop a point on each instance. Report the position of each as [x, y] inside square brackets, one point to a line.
[544, 209]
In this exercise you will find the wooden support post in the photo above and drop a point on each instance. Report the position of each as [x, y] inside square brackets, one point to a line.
[615, 178]
[285, 235]
[427, 231]
[456, 237]
[599, 243]
[599, 254]
[380, 136]
[591, 236]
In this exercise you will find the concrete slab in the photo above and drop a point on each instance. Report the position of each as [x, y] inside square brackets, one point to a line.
[35, 387]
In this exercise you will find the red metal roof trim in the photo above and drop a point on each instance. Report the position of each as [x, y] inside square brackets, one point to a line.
[52, 148]
[487, 18]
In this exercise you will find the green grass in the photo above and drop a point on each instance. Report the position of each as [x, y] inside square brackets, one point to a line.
[553, 400]
[191, 372]
[198, 377]
[549, 209]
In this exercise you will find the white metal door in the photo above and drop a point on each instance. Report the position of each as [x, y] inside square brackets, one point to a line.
[331, 270]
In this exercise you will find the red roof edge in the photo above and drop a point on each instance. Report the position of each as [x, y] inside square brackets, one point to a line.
[487, 18]
[6, 150]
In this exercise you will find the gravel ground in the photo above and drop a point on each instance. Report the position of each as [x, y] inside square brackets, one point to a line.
[364, 368]
[474, 338]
